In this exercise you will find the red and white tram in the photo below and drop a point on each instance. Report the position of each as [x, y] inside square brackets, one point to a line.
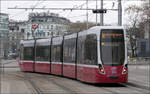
[97, 55]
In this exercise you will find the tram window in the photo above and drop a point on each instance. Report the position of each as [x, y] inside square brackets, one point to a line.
[80, 50]
[90, 55]
[28, 53]
[112, 47]
[42, 53]
[87, 50]
[69, 50]
[56, 53]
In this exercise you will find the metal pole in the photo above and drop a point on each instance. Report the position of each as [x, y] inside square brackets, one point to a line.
[87, 14]
[96, 13]
[101, 15]
[119, 13]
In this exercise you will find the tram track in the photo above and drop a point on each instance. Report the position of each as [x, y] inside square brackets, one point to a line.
[33, 80]
[36, 88]
[111, 91]
[70, 90]
[25, 77]
[40, 90]
[56, 80]
[136, 87]
[28, 81]
[59, 83]
[140, 90]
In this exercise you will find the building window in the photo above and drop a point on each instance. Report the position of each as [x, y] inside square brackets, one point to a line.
[47, 33]
[52, 27]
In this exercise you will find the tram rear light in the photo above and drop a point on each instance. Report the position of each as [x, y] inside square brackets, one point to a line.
[124, 70]
[101, 69]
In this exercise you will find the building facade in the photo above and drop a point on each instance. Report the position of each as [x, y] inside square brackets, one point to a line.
[15, 35]
[4, 34]
[48, 25]
[144, 43]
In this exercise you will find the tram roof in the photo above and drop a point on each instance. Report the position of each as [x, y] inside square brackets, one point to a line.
[43, 42]
[74, 35]
[27, 43]
[95, 29]
[107, 27]
[57, 40]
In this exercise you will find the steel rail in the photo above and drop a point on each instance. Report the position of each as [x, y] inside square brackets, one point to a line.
[136, 87]
[26, 79]
[59, 84]
[37, 89]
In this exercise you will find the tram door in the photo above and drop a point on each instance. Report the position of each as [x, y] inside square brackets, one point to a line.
[21, 57]
[42, 54]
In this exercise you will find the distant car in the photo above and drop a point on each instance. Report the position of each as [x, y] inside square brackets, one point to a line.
[12, 55]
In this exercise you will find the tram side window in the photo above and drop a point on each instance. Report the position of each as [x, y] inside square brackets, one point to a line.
[56, 53]
[28, 53]
[80, 50]
[90, 50]
[69, 50]
[42, 53]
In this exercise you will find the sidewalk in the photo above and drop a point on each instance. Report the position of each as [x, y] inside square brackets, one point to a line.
[135, 61]
[11, 63]
[139, 75]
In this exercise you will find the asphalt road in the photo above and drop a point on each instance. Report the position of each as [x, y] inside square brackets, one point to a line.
[13, 81]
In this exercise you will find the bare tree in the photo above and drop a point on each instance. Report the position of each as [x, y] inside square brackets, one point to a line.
[138, 17]
[134, 16]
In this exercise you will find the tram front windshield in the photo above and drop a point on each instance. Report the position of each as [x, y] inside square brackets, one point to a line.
[112, 47]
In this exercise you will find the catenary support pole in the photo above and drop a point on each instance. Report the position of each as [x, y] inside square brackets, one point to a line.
[101, 14]
[119, 13]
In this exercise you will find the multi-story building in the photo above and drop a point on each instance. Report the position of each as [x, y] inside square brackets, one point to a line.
[15, 35]
[3, 34]
[49, 24]
[144, 42]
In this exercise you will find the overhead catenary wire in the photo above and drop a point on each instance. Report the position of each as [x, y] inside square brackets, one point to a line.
[38, 3]
[68, 0]
[58, 8]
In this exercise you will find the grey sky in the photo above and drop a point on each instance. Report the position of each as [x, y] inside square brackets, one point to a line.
[109, 18]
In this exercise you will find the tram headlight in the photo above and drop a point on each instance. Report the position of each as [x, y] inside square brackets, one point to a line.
[101, 69]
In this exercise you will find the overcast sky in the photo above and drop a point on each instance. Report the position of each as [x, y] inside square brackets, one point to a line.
[77, 15]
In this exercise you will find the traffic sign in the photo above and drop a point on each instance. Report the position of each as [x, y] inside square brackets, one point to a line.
[99, 10]
[34, 26]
